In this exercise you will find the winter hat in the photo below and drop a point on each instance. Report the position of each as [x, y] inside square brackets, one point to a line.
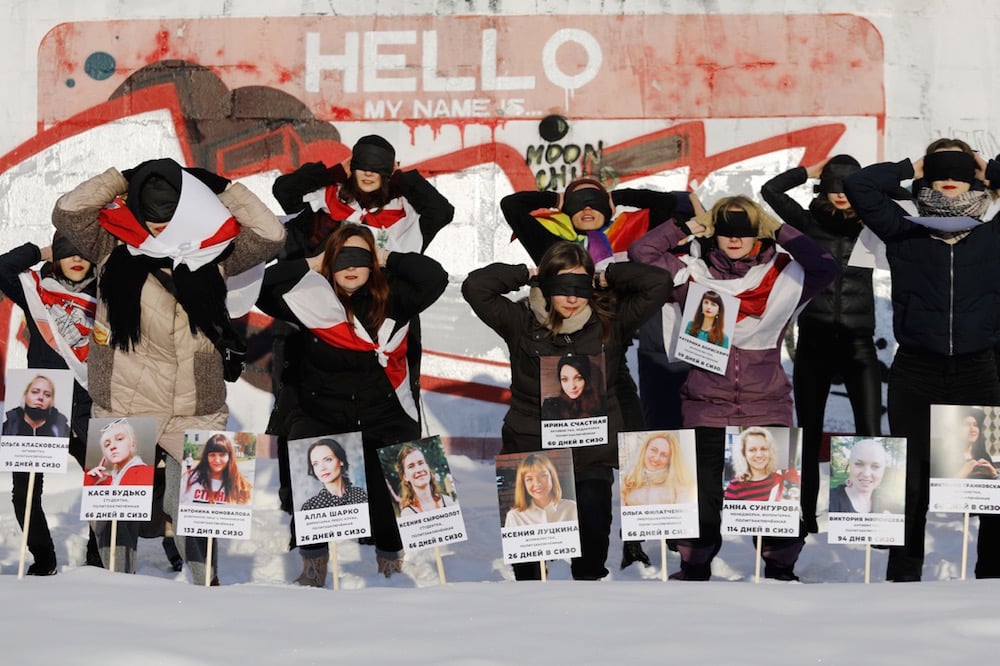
[154, 189]
[831, 179]
[62, 247]
[373, 153]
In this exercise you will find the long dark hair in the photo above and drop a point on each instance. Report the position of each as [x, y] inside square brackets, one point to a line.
[978, 448]
[716, 334]
[234, 484]
[338, 451]
[590, 401]
[565, 255]
[377, 285]
[349, 193]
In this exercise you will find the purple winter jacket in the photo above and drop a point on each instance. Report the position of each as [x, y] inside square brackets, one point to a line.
[755, 389]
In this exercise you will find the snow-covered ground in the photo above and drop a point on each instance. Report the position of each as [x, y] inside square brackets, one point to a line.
[481, 616]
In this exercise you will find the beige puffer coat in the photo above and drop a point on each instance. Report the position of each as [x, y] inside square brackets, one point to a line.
[171, 374]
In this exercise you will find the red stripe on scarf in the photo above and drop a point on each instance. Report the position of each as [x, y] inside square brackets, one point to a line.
[50, 298]
[342, 336]
[119, 221]
[754, 301]
[396, 368]
[381, 219]
[228, 231]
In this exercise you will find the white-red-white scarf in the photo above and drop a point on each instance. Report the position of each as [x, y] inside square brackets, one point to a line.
[314, 302]
[396, 225]
[63, 317]
[769, 296]
[200, 230]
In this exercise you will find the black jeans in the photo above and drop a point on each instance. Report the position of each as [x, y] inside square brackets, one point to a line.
[39, 538]
[821, 354]
[918, 380]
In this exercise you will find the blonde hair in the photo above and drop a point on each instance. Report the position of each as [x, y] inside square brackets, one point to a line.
[741, 467]
[535, 462]
[677, 472]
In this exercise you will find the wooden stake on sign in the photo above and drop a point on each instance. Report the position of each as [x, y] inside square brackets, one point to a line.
[335, 565]
[440, 563]
[965, 544]
[27, 524]
[545, 572]
[756, 570]
[663, 560]
[114, 544]
[868, 563]
[208, 562]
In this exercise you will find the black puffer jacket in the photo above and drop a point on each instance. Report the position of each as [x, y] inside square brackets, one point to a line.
[336, 384]
[945, 297]
[641, 291]
[849, 301]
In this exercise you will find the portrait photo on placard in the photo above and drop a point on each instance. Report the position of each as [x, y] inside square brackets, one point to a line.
[762, 464]
[657, 467]
[709, 316]
[327, 471]
[965, 441]
[535, 488]
[38, 402]
[572, 387]
[120, 452]
[867, 474]
[218, 467]
[418, 476]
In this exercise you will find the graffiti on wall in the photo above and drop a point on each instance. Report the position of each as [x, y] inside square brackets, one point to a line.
[484, 105]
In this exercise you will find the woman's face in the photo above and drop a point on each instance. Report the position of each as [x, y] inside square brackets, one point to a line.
[736, 247]
[758, 453]
[971, 426]
[709, 308]
[572, 382]
[587, 219]
[75, 268]
[325, 464]
[866, 466]
[538, 485]
[951, 188]
[353, 278]
[657, 456]
[567, 306]
[217, 461]
[39, 394]
[948, 187]
[838, 200]
[416, 470]
[367, 181]
[117, 445]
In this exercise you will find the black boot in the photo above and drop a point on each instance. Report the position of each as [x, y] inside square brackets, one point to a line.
[632, 552]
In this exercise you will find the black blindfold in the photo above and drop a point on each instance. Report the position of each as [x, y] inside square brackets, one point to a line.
[734, 224]
[591, 197]
[352, 257]
[568, 284]
[950, 165]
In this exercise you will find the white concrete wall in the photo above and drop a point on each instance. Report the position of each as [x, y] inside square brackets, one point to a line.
[935, 75]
